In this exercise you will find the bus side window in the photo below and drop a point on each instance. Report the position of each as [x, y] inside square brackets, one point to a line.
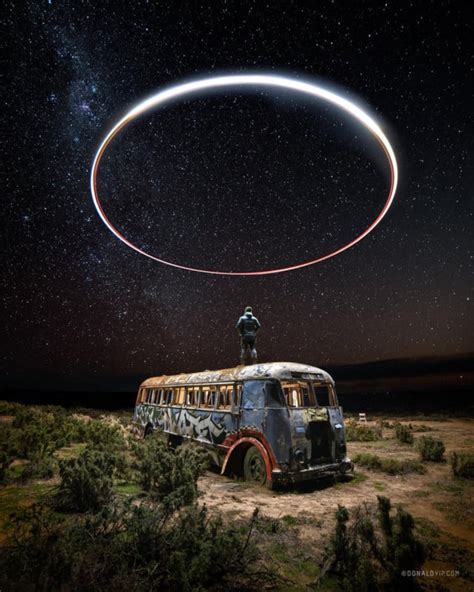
[143, 395]
[237, 396]
[229, 390]
[204, 397]
[223, 398]
[169, 397]
[179, 398]
[192, 396]
[208, 397]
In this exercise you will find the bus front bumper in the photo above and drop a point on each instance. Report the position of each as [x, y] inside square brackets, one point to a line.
[312, 472]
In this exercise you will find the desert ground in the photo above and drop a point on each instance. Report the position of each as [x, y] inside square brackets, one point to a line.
[442, 505]
[300, 519]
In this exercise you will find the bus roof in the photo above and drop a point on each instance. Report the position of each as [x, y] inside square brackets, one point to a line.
[278, 370]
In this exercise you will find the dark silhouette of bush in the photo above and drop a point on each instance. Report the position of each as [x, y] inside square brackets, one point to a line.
[372, 551]
[403, 434]
[430, 448]
[462, 464]
[129, 547]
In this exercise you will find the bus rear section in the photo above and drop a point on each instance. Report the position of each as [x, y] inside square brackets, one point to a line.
[301, 426]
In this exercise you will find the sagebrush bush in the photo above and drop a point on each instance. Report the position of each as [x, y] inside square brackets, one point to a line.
[392, 466]
[169, 475]
[360, 432]
[87, 481]
[430, 448]
[38, 468]
[462, 464]
[403, 434]
[370, 552]
[100, 432]
[129, 547]
[9, 408]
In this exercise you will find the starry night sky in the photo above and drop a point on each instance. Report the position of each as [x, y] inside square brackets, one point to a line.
[235, 180]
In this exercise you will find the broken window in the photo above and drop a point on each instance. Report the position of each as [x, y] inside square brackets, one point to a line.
[237, 396]
[179, 395]
[322, 394]
[224, 397]
[169, 397]
[192, 396]
[160, 397]
[208, 396]
[298, 393]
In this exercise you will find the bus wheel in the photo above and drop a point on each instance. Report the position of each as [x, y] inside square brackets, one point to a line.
[148, 431]
[254, 466]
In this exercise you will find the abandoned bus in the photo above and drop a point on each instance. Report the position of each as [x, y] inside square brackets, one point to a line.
[272, 423]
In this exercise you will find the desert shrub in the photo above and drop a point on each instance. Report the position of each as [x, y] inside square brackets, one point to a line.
[5, 461]
[403, 434]
[430, 448]
[371, 551]
[87, 481]
[9, 408]
[139, 548]
[40, 433]
[360, 432]
[421, 427]
[38, 468]
[25, 415]
[392, 466]
[462, 464]
[169, 475]
[101, 432]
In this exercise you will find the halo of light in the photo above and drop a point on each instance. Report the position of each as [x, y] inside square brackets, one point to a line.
[265, 80]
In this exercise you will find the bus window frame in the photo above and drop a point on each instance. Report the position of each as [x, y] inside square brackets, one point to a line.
[212, 390]
[229, 389]
[197, 392]
[299, 393]
[332, 400]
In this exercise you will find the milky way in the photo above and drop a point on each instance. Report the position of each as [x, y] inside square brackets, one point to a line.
[253, 180]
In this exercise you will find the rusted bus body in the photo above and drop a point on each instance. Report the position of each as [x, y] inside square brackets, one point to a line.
[273, 423]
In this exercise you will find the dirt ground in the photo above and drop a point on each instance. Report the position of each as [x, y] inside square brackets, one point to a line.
[304, 516]
[442, 505]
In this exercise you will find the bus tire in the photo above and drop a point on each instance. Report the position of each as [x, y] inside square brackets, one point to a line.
[148, 431]
[255, 470]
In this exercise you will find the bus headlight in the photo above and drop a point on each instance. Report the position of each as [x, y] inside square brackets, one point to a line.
[299, 456]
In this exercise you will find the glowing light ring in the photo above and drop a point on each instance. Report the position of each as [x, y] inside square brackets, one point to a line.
[198, 86]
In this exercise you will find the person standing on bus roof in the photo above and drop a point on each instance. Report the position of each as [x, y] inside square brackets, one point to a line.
[247, 326]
